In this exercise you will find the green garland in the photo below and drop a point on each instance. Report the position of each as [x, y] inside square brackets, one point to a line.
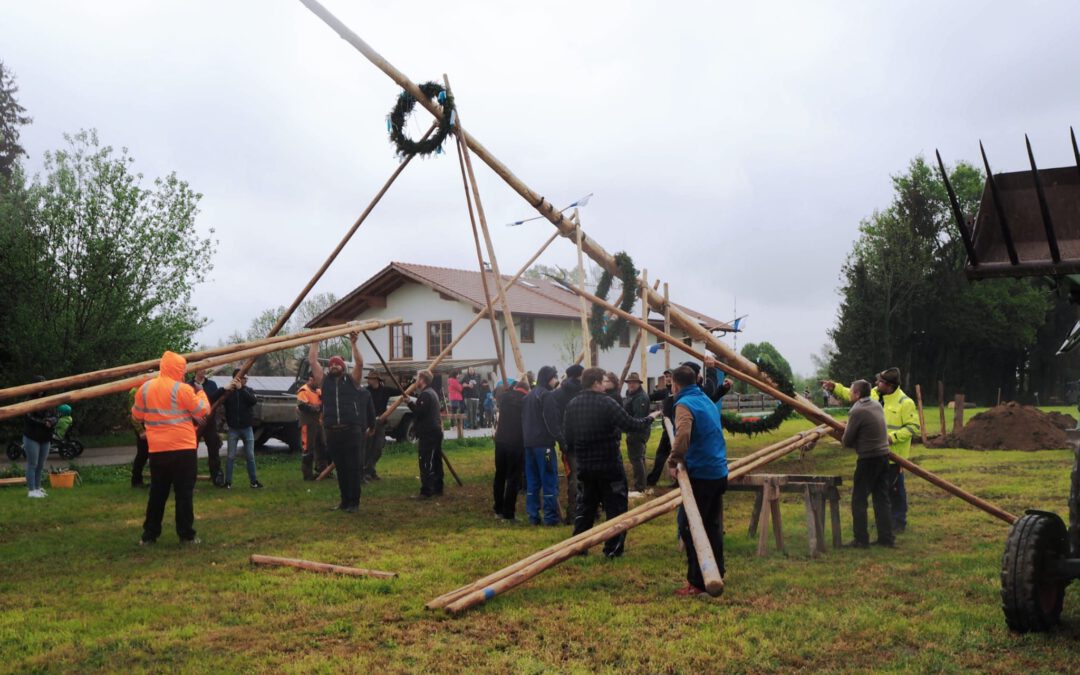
[395, 122]
[734, 424]
[606, 332]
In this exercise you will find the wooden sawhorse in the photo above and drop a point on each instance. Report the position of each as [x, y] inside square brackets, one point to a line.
[816, 491]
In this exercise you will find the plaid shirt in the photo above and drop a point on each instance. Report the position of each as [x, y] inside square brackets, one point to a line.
[591, 427]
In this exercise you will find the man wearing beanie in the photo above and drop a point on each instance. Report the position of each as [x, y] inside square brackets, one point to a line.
[902, 423]
[541, 427]
[570, 387]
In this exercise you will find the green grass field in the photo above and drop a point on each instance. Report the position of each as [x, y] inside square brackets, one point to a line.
[79, 594]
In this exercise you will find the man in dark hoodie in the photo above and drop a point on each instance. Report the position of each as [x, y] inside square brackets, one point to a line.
[570, 387]
[509, 449]
[429, 435]
[541, 429]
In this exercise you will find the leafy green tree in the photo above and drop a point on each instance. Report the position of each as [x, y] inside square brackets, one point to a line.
[764, 351]
[12, 116]
[906, 303]
[107, 268]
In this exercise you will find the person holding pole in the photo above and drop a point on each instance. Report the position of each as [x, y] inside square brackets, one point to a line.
[429, 435]
[309, 412]
[347, 413]
[205, 388]
[373, 447]
[593, 422]
[541, 428]
[902, 423]
[699, 445]
[866, 433]
[170, 411]
[636, 404]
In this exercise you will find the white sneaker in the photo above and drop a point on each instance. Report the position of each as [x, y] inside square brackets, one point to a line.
[35, 494]
[634, 494]
[43, 493]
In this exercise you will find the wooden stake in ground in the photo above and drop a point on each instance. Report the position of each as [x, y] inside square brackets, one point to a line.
[941, 406]
[710, 573]
[922, 419]
[274, 561]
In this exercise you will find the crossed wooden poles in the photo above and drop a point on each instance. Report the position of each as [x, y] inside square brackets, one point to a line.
[731, 363]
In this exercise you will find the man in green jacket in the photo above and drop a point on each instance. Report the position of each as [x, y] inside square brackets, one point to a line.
[902, 424]
[637, 404]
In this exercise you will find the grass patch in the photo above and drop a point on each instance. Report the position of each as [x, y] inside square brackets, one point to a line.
[79, 594]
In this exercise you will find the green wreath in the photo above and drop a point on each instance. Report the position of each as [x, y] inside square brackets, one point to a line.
[395, 122]
[606, 332]
[732, 423]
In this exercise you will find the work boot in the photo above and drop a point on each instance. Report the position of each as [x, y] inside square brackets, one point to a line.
[256, 485]
[689, 590]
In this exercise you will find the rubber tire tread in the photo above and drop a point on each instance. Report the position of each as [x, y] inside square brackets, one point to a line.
[1032, 538]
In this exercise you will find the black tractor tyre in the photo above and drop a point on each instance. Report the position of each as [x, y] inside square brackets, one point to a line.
[1032, 591]
[15, 451]
[1074, 507]
[264, 434]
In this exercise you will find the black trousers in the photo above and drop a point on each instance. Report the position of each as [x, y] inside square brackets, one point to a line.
[602, 486]
[509, 460]
[709, 497]
[213, 453]
[373, 449]
[431, 465]
[345, 446]
[172, 470]
[142, 452]
[872, 477]
[315, 447]
[663, 451]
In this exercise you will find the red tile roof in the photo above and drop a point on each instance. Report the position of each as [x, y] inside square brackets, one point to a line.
[530, 297]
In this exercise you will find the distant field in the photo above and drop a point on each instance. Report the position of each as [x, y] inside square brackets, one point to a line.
[78, 594]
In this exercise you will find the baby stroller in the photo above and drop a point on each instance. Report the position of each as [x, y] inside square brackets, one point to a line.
[63, 441]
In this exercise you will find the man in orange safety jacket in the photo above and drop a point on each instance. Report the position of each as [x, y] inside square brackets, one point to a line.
[170, 410]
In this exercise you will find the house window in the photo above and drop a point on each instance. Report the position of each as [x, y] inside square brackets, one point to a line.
[438, 338]
[527, 329]
[688, 341]
[624, 336]
[401, 342]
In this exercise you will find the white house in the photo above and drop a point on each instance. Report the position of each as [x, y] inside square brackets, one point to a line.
[437, 302]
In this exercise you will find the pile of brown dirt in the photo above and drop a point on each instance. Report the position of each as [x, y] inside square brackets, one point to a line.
[1011, 426]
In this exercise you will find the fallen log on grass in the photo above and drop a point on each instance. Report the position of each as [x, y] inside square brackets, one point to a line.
[518, 573]
[274, 561]
[20, 480]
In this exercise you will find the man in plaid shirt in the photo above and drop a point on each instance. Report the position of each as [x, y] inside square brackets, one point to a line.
[591, 428]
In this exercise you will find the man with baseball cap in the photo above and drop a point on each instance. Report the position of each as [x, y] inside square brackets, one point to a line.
[902, 424]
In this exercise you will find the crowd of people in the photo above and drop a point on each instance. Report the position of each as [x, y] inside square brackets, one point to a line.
[546, 431]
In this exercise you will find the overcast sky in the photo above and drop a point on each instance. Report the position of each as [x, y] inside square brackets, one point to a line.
[732, 147]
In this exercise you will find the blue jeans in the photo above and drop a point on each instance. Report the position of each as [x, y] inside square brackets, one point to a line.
[36, 454]
[249, 451]
[541, 476]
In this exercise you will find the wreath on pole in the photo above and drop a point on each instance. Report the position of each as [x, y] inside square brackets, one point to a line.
[605, 332]
[734, 424]
[395, 121]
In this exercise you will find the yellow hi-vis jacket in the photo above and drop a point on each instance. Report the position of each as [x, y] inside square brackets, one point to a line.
[901, 417]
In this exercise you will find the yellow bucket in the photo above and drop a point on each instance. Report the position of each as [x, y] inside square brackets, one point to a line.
[65, 479]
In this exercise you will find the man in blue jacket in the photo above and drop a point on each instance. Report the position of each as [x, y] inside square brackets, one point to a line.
[699, 445]
[541, 429]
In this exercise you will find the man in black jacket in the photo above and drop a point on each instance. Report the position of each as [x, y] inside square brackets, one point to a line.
[238, 417]
[374, 443]
[570, 387]
[636, 404]
[592, 424]
[347, 414]
[429, 433]
[509, 449]
[541, 429]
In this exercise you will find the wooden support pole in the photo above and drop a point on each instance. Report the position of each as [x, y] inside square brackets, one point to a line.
[638, 341]
[475, 320]
[274, 561]
[667, 327]
[508, 315]
[122, 386]
[586, 336]
[480, 263]
[644, 317]
[922, 418]
[941, 406]
[710, 573]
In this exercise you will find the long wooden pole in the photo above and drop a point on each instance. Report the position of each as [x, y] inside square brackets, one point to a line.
[545, 208]
[475, 320]
[274, 561]
[586, 336]
[644, 317]
[585, 540]
[811, 412]
[922, 418]
[710, 573]
[480, 262]
[450, 596]
[633, 348]
[124, 385]
[142, 366]
[667, 327]
[508, 315]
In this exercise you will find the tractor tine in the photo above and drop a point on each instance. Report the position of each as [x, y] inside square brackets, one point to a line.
[1044, 208]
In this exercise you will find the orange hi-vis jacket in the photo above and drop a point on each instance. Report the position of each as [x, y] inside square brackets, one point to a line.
[169, 407]
[309, 396]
